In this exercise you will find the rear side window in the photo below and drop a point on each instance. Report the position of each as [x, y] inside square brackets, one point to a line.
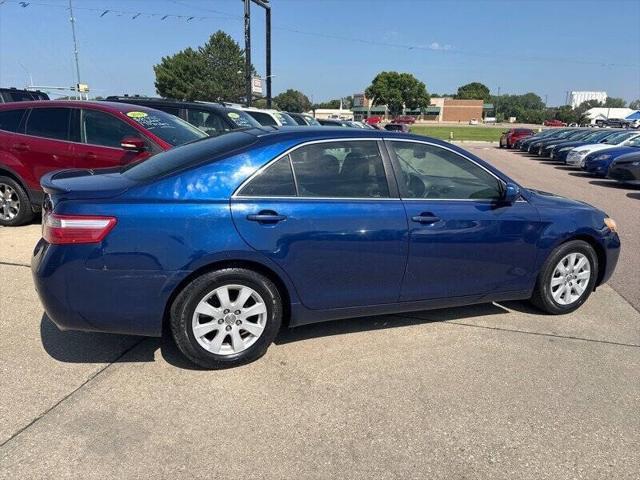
[263, 118]
[10, 119]
[275, 181]
[176, 159]
[49, 123]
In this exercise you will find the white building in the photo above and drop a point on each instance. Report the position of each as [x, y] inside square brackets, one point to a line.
[580, 97]
[603, 113]
[326, 113]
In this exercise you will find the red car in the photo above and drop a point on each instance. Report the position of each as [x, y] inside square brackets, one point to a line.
[511, 136]
[406, 119]
[554, 123]
[373, 120]
[38, 137]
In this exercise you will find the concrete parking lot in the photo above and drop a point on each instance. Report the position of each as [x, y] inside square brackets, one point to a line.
[489, 391]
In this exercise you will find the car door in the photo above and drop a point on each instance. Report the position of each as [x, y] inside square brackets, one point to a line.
[462, 239]
[99, 137]
[327, 214]
[46, 145]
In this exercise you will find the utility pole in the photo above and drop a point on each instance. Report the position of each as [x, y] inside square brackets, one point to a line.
[75, 48]
[268, 43]
[247, 50]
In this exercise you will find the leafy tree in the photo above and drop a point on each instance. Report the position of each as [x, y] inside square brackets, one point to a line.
[333, 104]
[635, 104]
[293, 101]
[398, 91]
[613, 102]
[212, 72]
[473, 91]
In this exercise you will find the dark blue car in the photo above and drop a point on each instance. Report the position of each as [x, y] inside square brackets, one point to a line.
[560, 151]
[228, 238]
[598, 162]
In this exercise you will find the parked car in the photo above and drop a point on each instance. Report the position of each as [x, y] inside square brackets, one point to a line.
[408, 119]
[212, 118]
[373, 120]
[19, 95]
[397, 127]
[333, 122]
[577, 136]
[562, 149]
[38, 137]
[511, 136]
[577, 156]
[522, 144]
[537, 146]
[597, 163]
[310, 225]
[268, 117]
[626, 168]
[303, 119]
[613, 123]
[473, 121]
[554, 123]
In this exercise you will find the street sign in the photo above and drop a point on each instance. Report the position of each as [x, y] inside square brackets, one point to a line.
[256, 86]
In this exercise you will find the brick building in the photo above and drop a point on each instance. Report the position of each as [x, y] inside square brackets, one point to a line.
[461, 110]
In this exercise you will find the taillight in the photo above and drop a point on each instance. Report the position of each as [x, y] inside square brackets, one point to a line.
[67, 229]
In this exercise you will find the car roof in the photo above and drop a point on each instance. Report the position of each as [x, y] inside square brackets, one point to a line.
[171, 102]
[96, 105]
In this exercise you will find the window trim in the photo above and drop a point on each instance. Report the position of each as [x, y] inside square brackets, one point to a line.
[389, 173]
[396, 169]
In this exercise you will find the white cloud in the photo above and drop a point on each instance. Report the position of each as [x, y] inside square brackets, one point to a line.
[438, 46]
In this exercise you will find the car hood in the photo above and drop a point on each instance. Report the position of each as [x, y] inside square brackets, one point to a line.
[84, 183]
[544, 199]
[613, 151]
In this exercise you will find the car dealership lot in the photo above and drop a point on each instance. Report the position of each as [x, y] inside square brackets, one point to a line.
[483, 391]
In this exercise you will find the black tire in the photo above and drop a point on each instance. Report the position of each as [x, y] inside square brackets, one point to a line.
[183, 308]
[25, 210]
[542, 297]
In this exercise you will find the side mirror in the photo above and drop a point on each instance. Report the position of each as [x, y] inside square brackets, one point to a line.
[132, 144]
[510, 193]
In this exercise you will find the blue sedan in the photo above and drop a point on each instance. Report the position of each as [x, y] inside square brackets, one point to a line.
[225, 240]
[598, 162]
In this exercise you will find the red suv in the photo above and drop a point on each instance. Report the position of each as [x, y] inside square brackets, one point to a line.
[511, 136]
[406, 119]
[38, 137]
[554, 123]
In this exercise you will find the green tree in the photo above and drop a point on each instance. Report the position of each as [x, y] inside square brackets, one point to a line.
[212, 72]
[635, 105]
[473, 91]
[293, 101]
[613, 102]
[333, 104]
[527, 108]
[398, 91]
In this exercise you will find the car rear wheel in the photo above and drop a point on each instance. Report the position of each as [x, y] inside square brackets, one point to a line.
[567, 278]
[226, 318]
[15, 206]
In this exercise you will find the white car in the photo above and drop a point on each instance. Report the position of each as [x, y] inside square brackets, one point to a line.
[269, 117]
[576, 157]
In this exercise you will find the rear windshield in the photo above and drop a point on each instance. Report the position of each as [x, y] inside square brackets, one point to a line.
[169, 128]
[242, 119]
[189, 155]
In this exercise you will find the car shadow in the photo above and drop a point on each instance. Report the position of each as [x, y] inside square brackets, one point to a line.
[91, 347]
[612, 184]
[562, 166]
[634, 195]
[581, 174]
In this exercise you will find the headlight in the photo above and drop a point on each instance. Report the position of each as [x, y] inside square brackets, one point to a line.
[550, 146]
[611, 224]
[604, 156]
[564, 149]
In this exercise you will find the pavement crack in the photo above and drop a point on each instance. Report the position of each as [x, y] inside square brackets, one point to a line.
[70, 394]
[11, 264]
[540, 334]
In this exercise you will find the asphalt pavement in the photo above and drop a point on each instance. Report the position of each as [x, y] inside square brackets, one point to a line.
[489, 391]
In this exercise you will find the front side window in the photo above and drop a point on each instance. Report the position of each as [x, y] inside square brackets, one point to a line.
[10, 119]
[432, 172]
[169, 128]
[49, 123]
[100, 128]
[209, 122]
[340, 169]
[242, 119]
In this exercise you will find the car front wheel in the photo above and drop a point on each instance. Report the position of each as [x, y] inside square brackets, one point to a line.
[15, 207]
[567, 278]
[226, 318]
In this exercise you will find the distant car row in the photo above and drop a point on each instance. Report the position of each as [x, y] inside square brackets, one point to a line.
[607, 153]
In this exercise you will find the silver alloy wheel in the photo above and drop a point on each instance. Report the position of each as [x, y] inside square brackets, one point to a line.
[570, 278]
[9, 202]
[229, 319]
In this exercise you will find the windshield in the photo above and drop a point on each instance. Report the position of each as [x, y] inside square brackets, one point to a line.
[169, 128]
[285, 119]
[620, 137]
[189, 155]
[242, 119]
[634, 143]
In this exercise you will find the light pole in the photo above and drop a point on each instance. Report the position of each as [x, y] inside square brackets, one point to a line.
[75, 48]
[247, 47]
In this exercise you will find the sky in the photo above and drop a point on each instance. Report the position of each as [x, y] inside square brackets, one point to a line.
[333, 48]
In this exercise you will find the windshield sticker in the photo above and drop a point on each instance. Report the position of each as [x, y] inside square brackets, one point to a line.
[233, 115]
[136, 114]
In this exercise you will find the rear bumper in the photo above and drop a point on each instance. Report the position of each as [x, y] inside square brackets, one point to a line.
[113, 301]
